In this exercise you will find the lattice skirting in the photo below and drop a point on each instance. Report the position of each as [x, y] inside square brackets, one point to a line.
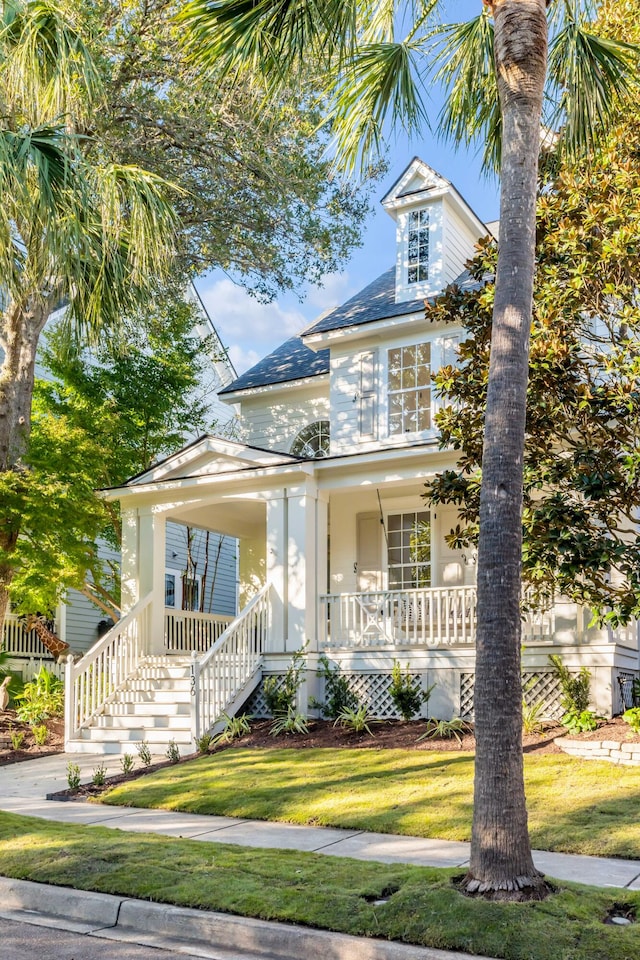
[536, 687]
[256, 705]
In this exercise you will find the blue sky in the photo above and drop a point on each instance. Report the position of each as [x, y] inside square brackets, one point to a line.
[250, 329]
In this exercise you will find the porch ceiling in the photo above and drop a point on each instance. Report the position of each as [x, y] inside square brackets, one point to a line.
[235, 518]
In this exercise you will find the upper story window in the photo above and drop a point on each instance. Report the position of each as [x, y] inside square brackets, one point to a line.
[313, 441]
[418, 251]
[409, 387]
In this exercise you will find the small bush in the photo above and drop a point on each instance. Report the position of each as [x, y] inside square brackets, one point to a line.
[281, 693]
[144, 753]
[576, 688]
[533, 718]
[204, 742]
[337, 694]
[632, 717]
[127, 763]
[99, 777]
[40, 733]
[73, 775]
[582, 722]
[406, 692]
[17, 738]
[41, 698]
[292, 722]
[173, 752]
[357, 720]
[234, 728]
[445, 729]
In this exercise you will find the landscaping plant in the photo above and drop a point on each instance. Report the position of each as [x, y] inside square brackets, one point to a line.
[281, 693]
[576, 696]
[73, 775]
[204, 742]
[356, 719]
[99, 776]
[17, 738]
[406, 692]
[582, 722]
[292, 722]
[446, 729]
[144, 753]
[632, 717]
[337, 693]
[533, 719]
[41, 698]
[173, 752]
[40, 733]
[234, 728]
[127, 763]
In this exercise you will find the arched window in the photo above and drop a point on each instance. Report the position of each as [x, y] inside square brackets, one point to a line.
[312, 441]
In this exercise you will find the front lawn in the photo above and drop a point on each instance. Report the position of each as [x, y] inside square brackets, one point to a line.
[574, 806]
[422, 906]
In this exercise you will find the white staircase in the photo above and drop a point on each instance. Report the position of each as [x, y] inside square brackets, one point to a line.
[153, 705]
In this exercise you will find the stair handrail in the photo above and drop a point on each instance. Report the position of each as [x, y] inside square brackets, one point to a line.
[221, 673]
[93, 679]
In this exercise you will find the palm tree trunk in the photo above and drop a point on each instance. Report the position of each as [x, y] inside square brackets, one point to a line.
[500, 850]
[19, 335]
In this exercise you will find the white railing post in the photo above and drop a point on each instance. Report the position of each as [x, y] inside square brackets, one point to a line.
[69, 701]
[195, 697]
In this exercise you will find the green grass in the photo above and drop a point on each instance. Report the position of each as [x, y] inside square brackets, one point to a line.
[574, 806]
[327, 892]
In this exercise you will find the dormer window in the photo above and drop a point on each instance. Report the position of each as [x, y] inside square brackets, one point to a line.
[418, 252]
[313, 441]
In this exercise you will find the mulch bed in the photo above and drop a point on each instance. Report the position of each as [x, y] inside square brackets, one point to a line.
[29, 749]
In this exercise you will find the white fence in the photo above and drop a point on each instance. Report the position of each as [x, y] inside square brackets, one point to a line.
[19, 642]
[105, 667]
[227, 668]
[186, 630]
[434, 616]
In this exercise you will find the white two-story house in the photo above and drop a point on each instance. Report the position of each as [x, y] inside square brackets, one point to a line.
[338, 549]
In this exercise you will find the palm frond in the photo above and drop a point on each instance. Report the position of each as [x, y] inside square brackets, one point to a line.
[464, 65]
[47, 69]
[589, 75]
[381, 82]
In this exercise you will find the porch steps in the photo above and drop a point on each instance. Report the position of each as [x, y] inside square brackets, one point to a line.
[154, 705]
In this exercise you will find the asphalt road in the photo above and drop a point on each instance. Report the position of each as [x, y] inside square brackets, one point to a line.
[26, 941]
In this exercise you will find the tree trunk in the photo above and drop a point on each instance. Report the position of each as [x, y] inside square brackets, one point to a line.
[501, 861]
[19, 336]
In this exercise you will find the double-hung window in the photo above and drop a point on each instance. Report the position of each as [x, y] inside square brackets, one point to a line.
[418, 249]
[409, 389]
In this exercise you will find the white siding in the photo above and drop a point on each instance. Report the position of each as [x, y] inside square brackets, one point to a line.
[220, 584]
[273, 419]
[459, 244]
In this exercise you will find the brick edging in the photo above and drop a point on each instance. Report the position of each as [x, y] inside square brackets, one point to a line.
[614, 751]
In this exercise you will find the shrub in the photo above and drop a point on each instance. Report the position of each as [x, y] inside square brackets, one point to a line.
[337, 694]
[632, 717]
[357, 720]
[17, 738]
[576, 692]
[173, 752]
[41, 698]
[292, 722]
[204, 742]
[281, 693]
[234, 728]
[127, 763]
[445, 729]
[99, 777]
[144, 753]
[533, 719]
[406, 692]
[40, 733]
[581, 722]
[73, 775]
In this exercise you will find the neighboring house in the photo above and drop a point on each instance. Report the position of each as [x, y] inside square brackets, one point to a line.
[338, 549]
[200, 568]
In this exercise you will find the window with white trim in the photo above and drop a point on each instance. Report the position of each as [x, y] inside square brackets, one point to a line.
[409, 550]
[170, 590]
[190, 592]
[313, 441]
[409, 389]
[418, 249]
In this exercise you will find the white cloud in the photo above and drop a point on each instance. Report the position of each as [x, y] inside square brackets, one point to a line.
[335, 289]
[243, 359]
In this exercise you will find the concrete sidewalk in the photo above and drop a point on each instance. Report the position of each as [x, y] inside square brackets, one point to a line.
[24, 786]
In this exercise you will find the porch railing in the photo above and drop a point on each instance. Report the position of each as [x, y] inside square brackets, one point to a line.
[227, 668]
[18, 642]
[433, 616]
[187, 630]
[104, 669]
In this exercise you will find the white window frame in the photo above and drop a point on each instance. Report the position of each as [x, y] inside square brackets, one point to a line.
[402, 508]
[178, 576]
[435, 281]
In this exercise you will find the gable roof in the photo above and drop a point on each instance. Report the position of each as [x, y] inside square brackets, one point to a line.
[292, 360]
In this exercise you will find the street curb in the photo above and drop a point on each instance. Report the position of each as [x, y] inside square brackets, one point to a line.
[107, 914]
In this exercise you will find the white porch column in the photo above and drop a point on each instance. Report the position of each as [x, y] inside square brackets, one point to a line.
[307, 564]
[151, 565]
[276, 570]
[130, 583]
